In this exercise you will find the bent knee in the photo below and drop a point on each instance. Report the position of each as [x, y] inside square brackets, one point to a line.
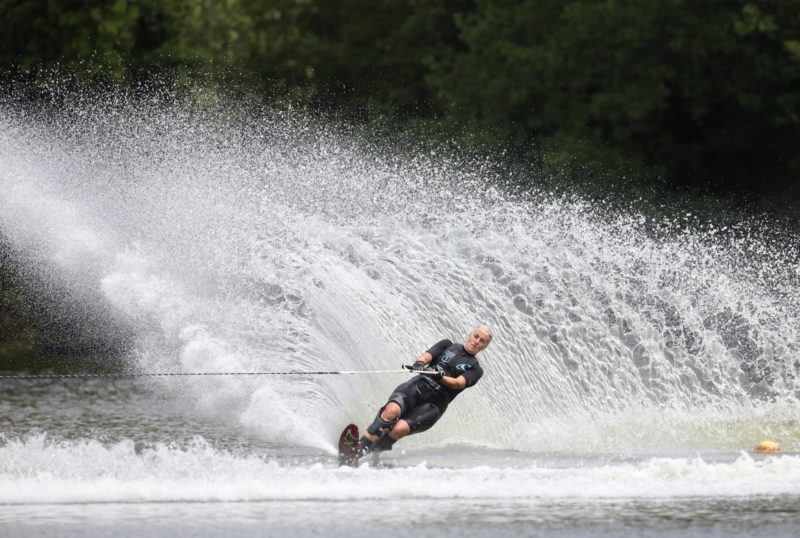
[391, 411]
[401, 429]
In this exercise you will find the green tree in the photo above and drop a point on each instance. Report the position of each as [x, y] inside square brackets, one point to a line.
[357, 55]
[703, 92]
[68, 33]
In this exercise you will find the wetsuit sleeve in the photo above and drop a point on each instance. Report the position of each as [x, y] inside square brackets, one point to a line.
[439, 347]
[473, 375]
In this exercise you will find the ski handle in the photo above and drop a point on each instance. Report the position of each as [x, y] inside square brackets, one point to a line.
[427, 371]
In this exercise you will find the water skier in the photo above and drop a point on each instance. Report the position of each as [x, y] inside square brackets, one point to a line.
[417, 404]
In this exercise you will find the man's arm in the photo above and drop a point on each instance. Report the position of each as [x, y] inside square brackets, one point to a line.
[422, 362]
[456, 383]
[463, 381]
[426, 358]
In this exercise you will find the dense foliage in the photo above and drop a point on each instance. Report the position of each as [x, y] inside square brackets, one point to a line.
[665, 96]
[703, 94]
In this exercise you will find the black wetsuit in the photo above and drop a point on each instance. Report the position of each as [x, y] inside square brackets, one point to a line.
[423, 400]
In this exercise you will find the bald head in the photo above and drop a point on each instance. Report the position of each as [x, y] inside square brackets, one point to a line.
[477, 340]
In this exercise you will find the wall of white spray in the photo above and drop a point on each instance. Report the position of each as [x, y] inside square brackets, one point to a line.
[261, 241]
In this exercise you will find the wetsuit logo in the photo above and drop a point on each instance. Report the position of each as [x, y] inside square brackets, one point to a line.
[464, 367]
[446, 356]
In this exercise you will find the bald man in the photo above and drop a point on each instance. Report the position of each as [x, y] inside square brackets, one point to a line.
[417, 404]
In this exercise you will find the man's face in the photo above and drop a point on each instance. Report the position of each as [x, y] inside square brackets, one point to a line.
[477, 341]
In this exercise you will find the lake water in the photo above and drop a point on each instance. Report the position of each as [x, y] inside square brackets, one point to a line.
[91, 458]
[636, 361]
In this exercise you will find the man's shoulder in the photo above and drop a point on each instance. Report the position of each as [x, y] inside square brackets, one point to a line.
[443, 344]
[439, 347]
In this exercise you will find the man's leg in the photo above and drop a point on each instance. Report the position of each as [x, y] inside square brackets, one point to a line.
[379, 435]
[417, 419]
[400, 430]
[388, 438]
[385, 430]
[385, 422]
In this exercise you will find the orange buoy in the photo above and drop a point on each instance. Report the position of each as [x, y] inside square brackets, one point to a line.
[767, 447]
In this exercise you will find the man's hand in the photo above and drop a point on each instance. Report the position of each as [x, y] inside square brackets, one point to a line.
[436, 374]
[418, 366]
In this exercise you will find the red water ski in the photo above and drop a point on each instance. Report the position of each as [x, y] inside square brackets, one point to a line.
[348, 446]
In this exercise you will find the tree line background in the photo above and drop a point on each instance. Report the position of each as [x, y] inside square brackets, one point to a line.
[694, 99]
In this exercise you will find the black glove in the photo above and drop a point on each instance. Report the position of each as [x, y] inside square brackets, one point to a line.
[418, 366]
